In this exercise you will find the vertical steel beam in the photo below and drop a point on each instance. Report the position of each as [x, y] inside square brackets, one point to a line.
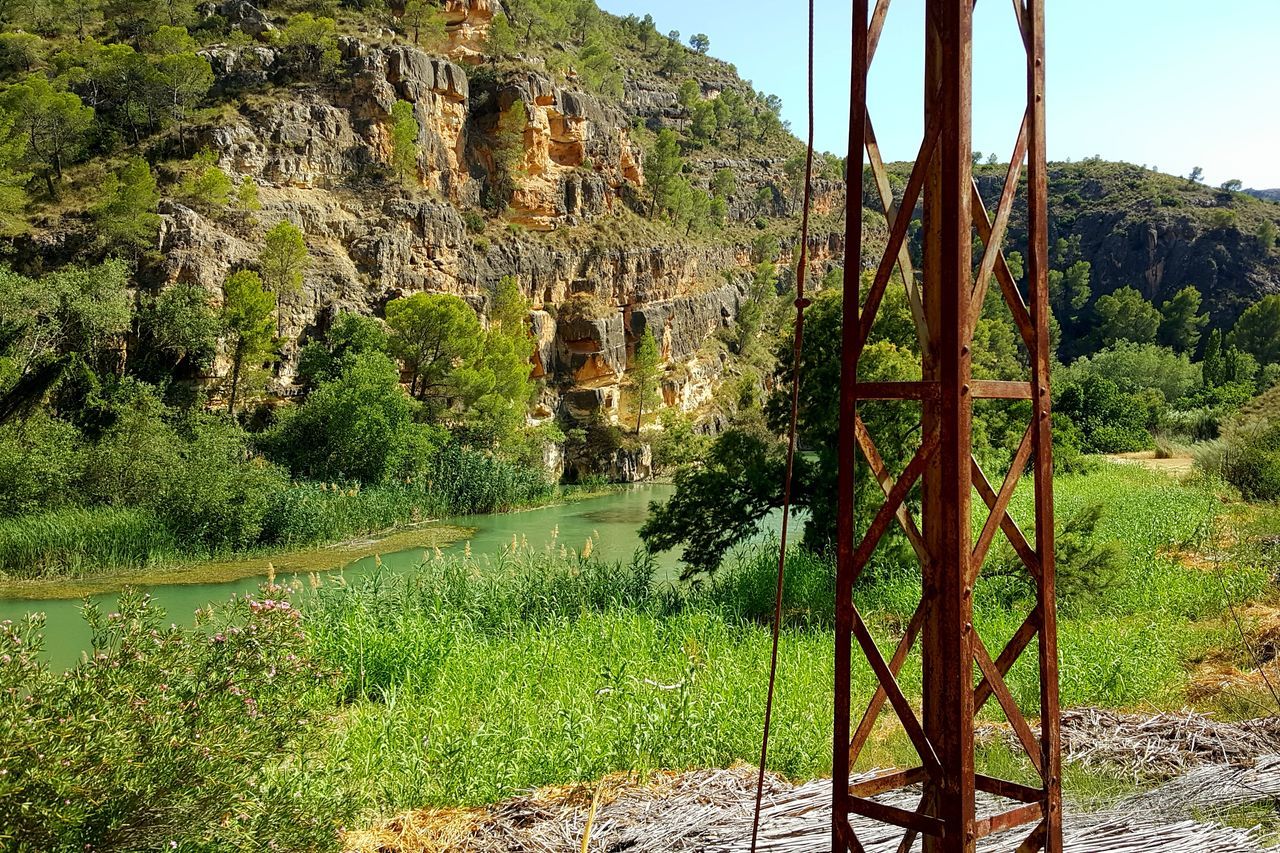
[1038, 276]
[848, 442]
[948, 265]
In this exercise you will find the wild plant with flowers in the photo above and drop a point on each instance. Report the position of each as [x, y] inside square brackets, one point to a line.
[193, 735]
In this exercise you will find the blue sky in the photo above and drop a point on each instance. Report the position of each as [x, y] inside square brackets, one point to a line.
[1166, 83]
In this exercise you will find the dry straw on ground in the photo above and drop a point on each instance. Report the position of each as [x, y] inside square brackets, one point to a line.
[1214, 766]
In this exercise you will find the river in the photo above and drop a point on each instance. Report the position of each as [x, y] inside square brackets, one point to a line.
[613, 521]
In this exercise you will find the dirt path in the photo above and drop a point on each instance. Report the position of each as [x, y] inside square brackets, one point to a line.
[1177, 466]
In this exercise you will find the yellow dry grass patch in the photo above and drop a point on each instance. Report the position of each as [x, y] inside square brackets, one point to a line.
[1175, 466]
[1246, 673]
[420, 831]
[448, 829]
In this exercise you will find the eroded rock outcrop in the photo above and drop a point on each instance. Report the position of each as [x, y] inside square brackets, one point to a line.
[576, 157]
[319, 159]
[467, 26]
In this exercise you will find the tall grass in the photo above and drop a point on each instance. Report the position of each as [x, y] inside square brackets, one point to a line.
[467, 682]
[468, 481]
[83, 541]
[457, 482]
[97, 540]
[463, 687]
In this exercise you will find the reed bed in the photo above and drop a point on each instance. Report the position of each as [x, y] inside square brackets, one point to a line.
[81, 541]
[470, 680]
[93, 540]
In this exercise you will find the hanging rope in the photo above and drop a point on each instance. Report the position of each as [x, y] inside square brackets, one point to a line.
[797, 346]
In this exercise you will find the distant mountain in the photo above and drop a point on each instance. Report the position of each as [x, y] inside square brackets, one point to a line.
[1265, 195]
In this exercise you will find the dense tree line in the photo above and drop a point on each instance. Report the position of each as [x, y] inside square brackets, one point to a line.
[1133, 372]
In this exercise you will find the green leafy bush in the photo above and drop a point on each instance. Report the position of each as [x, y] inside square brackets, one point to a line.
[217, 495]
[168, 738]
[1252, 465]
[40, 460]
[359, 426]
[1109, 420]
[1136, 367]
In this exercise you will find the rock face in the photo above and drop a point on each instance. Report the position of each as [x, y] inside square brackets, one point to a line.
[246, 17]
[467, 25]
[622, 465]
[1156, 233]
[1163, 254]
[319, 155]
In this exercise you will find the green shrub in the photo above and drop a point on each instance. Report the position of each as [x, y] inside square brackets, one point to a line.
[168, 738]
[40, 460]
[204, 185]
[1252, 463]
[1068, 458]
[678, 444]
[217, 496]
[1110, 421]
[200, 481]
[359, 426]
[1255, 472]
[1135, 367]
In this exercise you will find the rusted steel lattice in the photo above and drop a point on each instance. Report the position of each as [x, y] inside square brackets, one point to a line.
[959, 673]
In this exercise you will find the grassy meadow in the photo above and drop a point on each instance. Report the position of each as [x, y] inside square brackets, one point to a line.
[461, 684]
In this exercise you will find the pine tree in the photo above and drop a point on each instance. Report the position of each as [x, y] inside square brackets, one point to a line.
[426, 21]
[1257, 332]
[1182, 323]
[13, 178]
[508, 156]
[205, 186]
[246, 319]
[662, 167]
[646, 367]
[55, 125]
[283, 260]
[404, 142]
[723, 183]
[1126, 315]
[434, 334]
[184, 79]
[247, 195]
[127, 217]
[501, 40]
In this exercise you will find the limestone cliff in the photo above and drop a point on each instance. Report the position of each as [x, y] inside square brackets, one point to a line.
[317, 154]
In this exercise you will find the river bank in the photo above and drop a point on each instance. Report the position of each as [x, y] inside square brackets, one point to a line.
[609, 517]
[320, 557]
[510, 665]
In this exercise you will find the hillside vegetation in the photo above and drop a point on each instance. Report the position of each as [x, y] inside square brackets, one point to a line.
[282, 274]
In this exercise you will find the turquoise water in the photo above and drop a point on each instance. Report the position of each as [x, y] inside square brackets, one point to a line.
[612, 521]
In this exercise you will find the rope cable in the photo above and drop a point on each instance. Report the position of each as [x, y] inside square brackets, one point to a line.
[797, 345]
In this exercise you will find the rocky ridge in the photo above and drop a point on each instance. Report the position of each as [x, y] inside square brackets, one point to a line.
[317, 155]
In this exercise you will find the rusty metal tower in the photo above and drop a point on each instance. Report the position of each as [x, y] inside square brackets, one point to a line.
[959, 673]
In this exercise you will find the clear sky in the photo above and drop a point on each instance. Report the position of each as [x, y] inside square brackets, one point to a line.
[1165, 83]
